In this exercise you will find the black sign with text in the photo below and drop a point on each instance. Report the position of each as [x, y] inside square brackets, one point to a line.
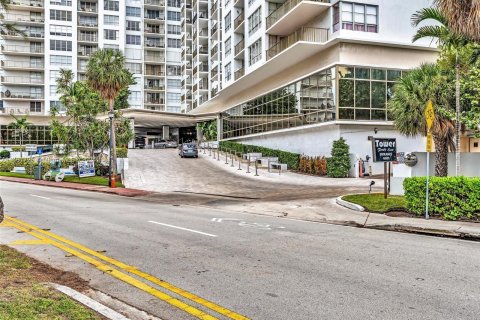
[384, 149]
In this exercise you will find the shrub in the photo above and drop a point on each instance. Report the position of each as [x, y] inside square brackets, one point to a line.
[4, 154]
[452, 198]
[18, 149]
[290, 158]
[339, 164]
[122, 152]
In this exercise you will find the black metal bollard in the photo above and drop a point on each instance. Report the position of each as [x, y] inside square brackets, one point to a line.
[239, 160]
[248, 164]
[231, 158]
[226, 157]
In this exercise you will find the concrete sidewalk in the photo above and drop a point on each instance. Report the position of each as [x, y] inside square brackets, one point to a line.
[125, 192]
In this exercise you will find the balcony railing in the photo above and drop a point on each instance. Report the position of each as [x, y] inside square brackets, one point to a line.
[214, 7]
[20, 79]
[26, 33]
[155, 72]
[22, 64]
[29, 3]
[154, 30]
[88, 37]
[86, 52]
[89, 24]
[23, 18]
[21, 95]
[154, 86]
[155, 17]
[284, 9]
[239, 20]
[239, 46]
[21, 49]
[239, 73]
[154, 100]
[307, 34]
[86, 8]
[160, 3]
[154, 44]
[154, 57]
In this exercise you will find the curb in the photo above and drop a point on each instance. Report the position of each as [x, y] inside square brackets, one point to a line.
[349, 205]
[427, 231]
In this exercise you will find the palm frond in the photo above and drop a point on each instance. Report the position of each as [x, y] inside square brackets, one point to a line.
[428, 14]
[440, 33]
[463, 16]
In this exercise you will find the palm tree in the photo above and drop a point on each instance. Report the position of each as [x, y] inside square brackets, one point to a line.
[20, 125]
[6, 27]
[408, 105]
[448, 40]
[463, 16]
[106, 74]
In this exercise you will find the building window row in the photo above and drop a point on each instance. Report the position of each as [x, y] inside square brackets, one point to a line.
[255, 52]
[111, 5]
[255, 21]
[60, 15]
[60, 45]
[355, 16]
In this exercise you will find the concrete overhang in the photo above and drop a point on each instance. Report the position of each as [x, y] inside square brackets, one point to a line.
[297, 16]
[156, 119]
[283, 62]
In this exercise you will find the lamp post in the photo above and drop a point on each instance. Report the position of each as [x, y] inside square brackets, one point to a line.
[111, 180]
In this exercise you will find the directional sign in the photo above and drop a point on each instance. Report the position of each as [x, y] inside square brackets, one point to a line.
[384, 149]
[429, 142]
[429, 114]
[31, 147]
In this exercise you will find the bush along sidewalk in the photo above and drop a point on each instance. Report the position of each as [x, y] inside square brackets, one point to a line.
[452, 198]
[291, 159]
[338, 165]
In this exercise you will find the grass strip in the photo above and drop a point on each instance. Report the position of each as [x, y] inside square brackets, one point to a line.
[375, 202]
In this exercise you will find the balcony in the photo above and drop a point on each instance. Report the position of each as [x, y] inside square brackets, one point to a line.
[154, 30]
[21, 95]
[293, 14]
[22, 50]
[86, 8]
[30, 5]
[155, 72]
[155, 17]
[154, 44]
[21, 65]
[150, 57]
[154, 100]
[86, 52]
[82, 37]
[154, 87]
[24, 19]
[239, 20]
[239, 47]
[214, 7]
[21, 80]
[156, 3]
[239, 73]
[304, 34]
[87, 24]
[27, 34]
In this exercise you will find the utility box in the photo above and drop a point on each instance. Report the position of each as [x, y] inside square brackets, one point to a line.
[37, 173]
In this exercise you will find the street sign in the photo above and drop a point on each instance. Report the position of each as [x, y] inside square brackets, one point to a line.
[429, 114]
[31, 147]
[429, 142]
[86, 168]
[40, 151]
[384, 149]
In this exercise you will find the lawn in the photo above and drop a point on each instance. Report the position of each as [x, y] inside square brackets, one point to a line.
[24, 297]
[16, 175]
[101, 181]
[375, 202]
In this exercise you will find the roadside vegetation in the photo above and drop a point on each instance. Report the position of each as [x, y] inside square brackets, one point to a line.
[375, 202]
[100, 181]
[24, 297]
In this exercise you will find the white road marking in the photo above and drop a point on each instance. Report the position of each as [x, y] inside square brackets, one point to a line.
[34, 195]
[261, 226]
[185, 229]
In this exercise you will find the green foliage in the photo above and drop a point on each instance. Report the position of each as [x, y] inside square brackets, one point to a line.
[452, 198]
[339, 164]
[20, 126]
[209, 130]
[122, 152]
[7, 165]
[19, 149]
[375, 202]
[4, 154]
[291, 159]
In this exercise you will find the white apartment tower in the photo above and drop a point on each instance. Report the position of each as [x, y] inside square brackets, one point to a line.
[64, 34]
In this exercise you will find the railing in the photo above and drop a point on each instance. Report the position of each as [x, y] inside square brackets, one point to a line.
[155, 57]
[154, 72]
[23, 18]
[284, 9]
[203, 50]
[21, 95]
[89, 24]
[21, 64]
[154, 44]
[86, 8]
[214, 28]
[203, 67]
[154, 30]
[239, 46]
[21, 49]
[20, 79]
[86, 52]
[154, 100]
[214, 7]
[317, 35]
[203, 33]
[214, 50]
[155, 2]
[29, 3]
[239, 20]
[239, 73]
[88, 37]
[154, 87]
[155, 17]
[26, 33]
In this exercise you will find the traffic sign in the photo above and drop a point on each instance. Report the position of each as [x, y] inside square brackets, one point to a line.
[429, 142]
[429, 114]
[31, 147]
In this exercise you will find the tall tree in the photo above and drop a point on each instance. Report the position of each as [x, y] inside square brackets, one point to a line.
[448, 41]
[408, 105]
[106, 74]
[20, 125]
[463, 17]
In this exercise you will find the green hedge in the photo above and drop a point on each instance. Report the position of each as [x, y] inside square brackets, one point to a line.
[291, 159]
[122, 152]
[7, 165]
[452, 198]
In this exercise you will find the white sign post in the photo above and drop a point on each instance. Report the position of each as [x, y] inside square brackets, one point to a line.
[429, 117]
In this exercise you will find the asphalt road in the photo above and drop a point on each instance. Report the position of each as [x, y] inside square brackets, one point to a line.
[258, 266]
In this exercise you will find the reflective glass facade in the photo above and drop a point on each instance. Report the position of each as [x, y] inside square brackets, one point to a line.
[338, 93]
[308, 101]
[40, 135]
[363, 93]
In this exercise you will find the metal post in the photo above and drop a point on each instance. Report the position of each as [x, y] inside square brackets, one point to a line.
[427, 216]
[268, 164]
[110, 156]
[226, 157]
[248, 164]
[214, 154]
[239, 161]
[209, 150]
[256, 168]
[231, 158]
[218, 154]
[389, 176]
[385, 180]
[204, 150]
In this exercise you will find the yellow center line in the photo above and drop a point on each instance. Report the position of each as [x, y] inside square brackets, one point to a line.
[121, 276]
[131, 269]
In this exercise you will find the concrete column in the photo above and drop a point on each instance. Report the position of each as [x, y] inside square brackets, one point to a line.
[219, 127]
[131, 143]
[199, 134]
[166, 133]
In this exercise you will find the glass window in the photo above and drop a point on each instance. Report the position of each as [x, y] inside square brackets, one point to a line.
[56, 30]
[174, 3]
[174, 83]
[173, 97]
[111, 5]
[255, 21]
[133, 25]
[174, 43]
[255, 52]
[174, 29]
[378, 74]
[60, 15]
[355, 16]
[133, 12]
[393, 75]
[61, 61]
[133, 39]
[65, 3]
[228, 46]
[60, 45]
[228, 21]
[362, 73]
[110, 34]
[111, 20]
[173, 15]
[134, 67]
[228, 71]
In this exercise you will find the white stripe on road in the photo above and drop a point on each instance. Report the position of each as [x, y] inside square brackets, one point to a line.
[185, 229]
[34, 195]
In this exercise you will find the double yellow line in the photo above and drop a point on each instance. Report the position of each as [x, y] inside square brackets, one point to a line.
[98, 260]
